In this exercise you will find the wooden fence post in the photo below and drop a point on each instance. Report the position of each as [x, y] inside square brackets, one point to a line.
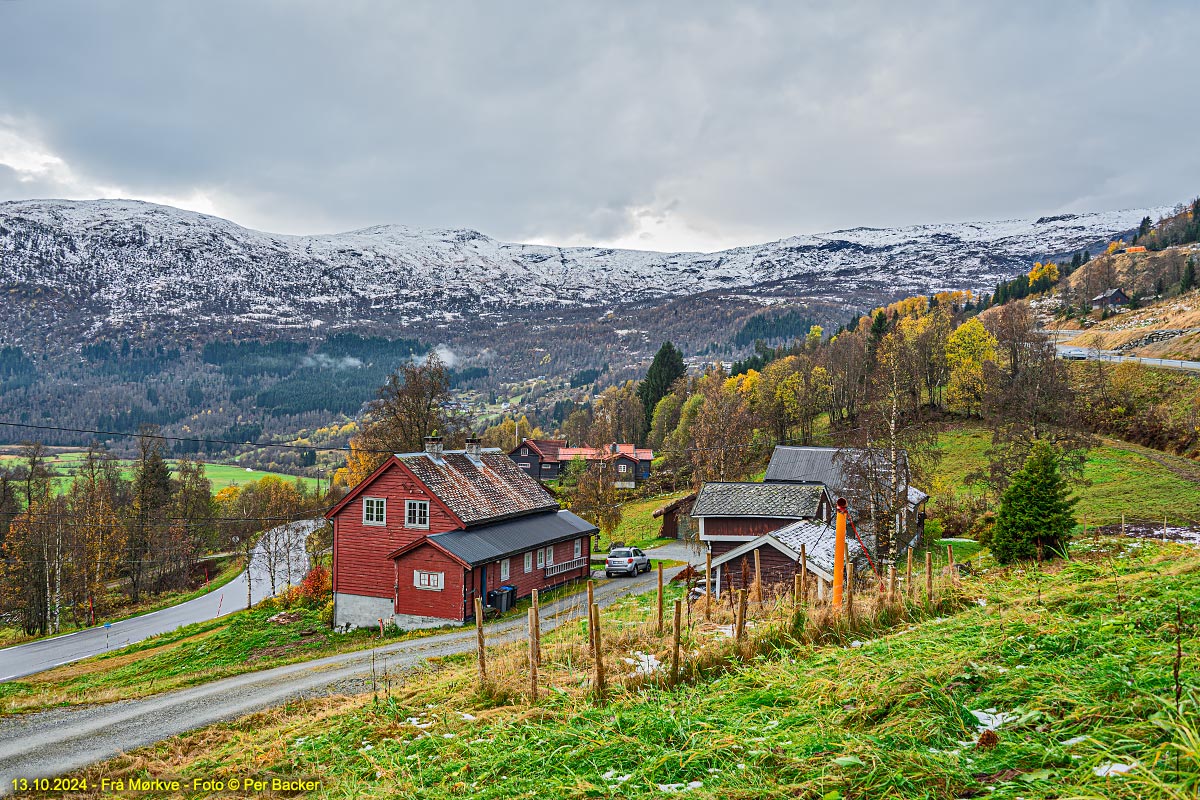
[950, 555]
[598, 653]
[590, 602]
[798, 590]
[929, 579]
[850, 591]
[740, 618]
[891, 583]
[533, 656]
[908, 582]
[803, 574]
[675, 643]
[536, 627]
[660, 598]
[482, 650]
[758, 589]
[708, 587]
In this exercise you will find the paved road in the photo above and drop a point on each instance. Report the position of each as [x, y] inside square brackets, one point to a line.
[1088, 354]
[26, 659]
[56, 742]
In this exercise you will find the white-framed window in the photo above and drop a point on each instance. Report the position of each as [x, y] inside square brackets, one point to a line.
[430, 581]
[416, 514]
[541, 557]
[578, 548]
[622, 468]
[546, 467]
[550, 556]
[524, 451]
[529, 562]
[504, 567]
[374, 511]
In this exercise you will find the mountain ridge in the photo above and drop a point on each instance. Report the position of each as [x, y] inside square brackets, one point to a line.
[136, 257]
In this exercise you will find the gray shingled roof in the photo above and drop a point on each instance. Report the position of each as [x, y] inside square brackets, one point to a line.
[503, 539]
[479, 490]
[818, 538]
[787, 500]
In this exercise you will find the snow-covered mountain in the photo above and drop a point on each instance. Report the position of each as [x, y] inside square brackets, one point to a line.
[125, 265]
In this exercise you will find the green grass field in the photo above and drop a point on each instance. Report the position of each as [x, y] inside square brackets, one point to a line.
[221, 475]
[1071, 665]
[638, 526]
[1119, 479]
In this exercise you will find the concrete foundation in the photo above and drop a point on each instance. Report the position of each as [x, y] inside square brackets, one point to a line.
[411, 622]
[360, 611]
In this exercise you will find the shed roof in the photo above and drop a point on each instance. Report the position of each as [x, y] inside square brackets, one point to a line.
[499, 540]
[818, 539]
[479, 489]
[682, 504]
[786, 500]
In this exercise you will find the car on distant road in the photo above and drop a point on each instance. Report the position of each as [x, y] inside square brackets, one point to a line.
[627, 561]
[1074, 354]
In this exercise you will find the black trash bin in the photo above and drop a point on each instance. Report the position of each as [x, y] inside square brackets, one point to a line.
[504, 598]
[493, 599]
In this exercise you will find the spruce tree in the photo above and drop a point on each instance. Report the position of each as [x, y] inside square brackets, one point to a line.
[1035, 510]
[666, 368]
[1188, 281]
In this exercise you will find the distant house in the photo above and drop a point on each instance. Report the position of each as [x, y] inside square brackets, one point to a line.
[730, 514]
[779, 557]
[677, 522]
[830, 467]
[1113, 297]
[539, 457]
[427, 533]
[545, 459]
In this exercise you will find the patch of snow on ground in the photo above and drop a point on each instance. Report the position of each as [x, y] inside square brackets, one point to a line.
[990, 719]
[1110, 769]
[643, 663]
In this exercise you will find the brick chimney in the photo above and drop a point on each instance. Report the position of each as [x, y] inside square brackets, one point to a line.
[474, 447]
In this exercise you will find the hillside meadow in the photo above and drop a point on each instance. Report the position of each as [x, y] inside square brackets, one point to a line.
[1035, 682]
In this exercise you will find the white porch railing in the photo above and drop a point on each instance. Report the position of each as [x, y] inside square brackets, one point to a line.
[567, 566]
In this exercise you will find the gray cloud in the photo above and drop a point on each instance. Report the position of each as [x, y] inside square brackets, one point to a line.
[665, 125]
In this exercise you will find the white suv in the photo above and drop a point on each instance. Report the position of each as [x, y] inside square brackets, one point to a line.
[627, 560]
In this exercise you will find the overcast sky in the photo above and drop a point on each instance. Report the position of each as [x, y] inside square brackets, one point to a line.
[659, 125]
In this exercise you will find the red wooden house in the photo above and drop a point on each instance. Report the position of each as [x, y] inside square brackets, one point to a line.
[426, 533]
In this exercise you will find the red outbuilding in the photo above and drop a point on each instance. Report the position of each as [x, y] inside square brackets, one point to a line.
[426, 533]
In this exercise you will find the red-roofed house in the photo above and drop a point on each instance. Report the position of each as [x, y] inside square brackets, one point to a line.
[545, 459]
[426, 533]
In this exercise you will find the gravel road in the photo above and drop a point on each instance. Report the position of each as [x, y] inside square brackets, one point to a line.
[55, 742]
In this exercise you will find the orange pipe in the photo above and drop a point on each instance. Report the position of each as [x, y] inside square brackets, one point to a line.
[839, 554]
